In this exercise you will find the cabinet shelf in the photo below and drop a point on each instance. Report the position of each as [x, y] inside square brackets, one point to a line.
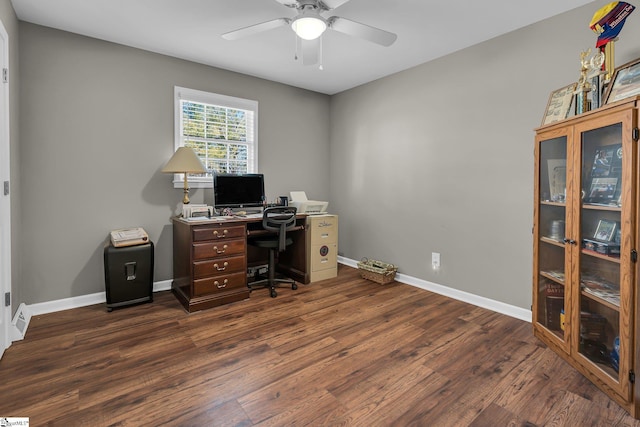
[607, 369]
[550, 203]
[552, 241]
[609, 208]
[604, 367]
[601, 256]
[554, 276]
[601, 301]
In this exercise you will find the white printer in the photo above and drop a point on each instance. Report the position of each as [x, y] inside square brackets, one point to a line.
[303, 205]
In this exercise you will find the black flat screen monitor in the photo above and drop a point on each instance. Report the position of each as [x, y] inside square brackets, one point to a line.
[238, 191]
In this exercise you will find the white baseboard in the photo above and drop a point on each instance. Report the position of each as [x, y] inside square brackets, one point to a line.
[489, 304]
[165, 285]
[83, 300]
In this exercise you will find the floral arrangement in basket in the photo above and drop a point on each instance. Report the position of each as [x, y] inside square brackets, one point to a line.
[377, 271]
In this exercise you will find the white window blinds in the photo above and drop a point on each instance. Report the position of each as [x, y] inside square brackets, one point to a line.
[221, 129]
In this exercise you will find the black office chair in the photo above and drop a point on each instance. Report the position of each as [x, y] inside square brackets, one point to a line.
[278, 219]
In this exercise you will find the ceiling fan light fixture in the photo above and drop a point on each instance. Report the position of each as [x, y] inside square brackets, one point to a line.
[309, 27]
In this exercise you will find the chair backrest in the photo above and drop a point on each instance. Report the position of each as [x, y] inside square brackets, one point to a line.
[279, 219]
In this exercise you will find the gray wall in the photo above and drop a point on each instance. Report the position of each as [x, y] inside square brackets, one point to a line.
[439, 158]
[10, 23]
[96, 128]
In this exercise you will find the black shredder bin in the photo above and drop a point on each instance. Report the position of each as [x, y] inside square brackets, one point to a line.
[128, 274]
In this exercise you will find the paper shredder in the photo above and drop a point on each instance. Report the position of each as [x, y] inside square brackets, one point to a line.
[128, 274]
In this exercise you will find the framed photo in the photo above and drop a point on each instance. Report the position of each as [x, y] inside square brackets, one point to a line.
[559, 104]
[624, 83]
[606, 171]
[602, 190]
[605, 230]
[602, 163]
[557, 179]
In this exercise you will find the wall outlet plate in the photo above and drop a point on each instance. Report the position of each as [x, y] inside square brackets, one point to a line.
[435, 259]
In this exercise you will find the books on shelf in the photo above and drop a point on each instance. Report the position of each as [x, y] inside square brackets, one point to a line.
[612, 297]
[554, 305]
[556, 274]
[611, 249]
[592, 326]
[601, 289]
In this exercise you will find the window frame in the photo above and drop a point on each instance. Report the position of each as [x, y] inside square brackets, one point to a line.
[182, 93]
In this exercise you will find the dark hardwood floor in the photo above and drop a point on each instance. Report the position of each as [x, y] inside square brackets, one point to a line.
[344, 351]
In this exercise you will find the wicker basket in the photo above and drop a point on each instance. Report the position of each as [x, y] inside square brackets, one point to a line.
[377, 271]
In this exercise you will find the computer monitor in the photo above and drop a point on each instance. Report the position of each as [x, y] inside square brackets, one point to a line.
[238, 191]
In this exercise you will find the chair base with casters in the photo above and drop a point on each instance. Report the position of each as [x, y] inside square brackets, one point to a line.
[277, 219]
[271, 281]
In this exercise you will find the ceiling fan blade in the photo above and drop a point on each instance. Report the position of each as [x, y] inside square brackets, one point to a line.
[255, 29]
[310, 51]
[288, 3]
[329, 4]
[353, 28]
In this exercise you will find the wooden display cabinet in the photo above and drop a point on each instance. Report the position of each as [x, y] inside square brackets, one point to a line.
[585, 299]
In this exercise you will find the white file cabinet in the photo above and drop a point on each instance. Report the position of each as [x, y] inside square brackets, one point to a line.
[322, 247]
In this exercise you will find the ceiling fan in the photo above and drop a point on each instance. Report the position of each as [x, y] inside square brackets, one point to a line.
[309, 25]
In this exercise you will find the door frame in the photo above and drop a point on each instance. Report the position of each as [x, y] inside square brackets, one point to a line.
[5, 201]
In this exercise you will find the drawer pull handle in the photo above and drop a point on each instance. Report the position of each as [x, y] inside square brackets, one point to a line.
[224, 249]
[224, 266]
[217, 235]
[223, 285]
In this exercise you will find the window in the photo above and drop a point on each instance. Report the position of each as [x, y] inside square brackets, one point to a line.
[221, 129]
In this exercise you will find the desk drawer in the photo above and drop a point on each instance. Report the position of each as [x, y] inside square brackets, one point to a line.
[219, 284]
[216, 249]
[217, 232]
[218, 267]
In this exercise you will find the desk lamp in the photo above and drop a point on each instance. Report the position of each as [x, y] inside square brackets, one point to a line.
[185, 161]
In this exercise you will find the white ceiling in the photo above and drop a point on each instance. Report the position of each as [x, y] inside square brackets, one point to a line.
[191, 29]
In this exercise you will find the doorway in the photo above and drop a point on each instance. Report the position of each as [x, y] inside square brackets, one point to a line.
[5, 200]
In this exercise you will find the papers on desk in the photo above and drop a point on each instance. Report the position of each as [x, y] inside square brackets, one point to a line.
[222, 218]
[205, 218]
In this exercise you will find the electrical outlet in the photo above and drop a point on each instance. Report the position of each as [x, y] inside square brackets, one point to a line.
[435, 259]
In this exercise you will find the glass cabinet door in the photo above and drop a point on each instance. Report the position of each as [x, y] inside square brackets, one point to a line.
[550, 275]
[605, 273]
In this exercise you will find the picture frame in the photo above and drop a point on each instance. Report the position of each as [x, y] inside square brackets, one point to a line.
[559, 104]
[602, 161]
[605, 231]
[624, 83]
[557, 170]
[603, 186]
[602, 190]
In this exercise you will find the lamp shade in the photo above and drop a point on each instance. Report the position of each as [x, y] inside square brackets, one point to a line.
[309, 25]
[184, 160]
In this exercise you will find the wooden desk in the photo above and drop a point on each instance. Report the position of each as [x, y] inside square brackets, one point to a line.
[211, 257]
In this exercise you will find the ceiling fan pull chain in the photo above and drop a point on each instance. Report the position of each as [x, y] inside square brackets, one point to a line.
[320, 54]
